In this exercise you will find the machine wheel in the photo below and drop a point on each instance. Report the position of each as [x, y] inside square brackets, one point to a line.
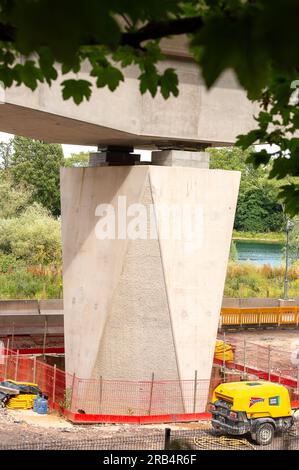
[264, 434]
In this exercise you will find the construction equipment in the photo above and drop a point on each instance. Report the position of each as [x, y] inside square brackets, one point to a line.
[18, 395]
[258, 407]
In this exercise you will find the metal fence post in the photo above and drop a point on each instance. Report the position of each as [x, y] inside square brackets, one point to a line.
[101, 392]
[54, 384]
[151, 394]
[45, 337]
[6, 359]
[72, 391]
[12, 335]
[269, 362]
[244, 358]
[34, 369]
[167, 438]
[17, 365]
[195, 391]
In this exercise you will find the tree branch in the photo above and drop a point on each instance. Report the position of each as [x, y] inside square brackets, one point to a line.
[161, 29]
[153, 30]
[7, 33]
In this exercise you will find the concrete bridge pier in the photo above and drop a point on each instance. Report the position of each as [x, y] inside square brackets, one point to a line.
[145, 251]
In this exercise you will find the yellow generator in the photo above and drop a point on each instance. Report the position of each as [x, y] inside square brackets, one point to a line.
[258, 407]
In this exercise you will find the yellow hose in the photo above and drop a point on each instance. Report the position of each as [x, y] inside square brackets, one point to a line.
[210, 442]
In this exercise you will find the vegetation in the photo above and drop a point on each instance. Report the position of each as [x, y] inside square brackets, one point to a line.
[80, 159]
[36, 165]
[256, 39]
[30, 239]
[249, 280]
[258, 209]
[270, 237]
[30, 245]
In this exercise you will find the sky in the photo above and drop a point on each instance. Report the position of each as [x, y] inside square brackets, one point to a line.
[69, 149]
[145, 154]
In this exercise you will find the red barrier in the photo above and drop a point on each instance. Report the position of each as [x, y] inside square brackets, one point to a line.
[120, 401]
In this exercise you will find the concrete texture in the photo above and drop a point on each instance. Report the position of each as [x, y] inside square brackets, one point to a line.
[181, 158]
[134, 307]
[256, 302]
[19, 307]
[125, 117]
[31, 324]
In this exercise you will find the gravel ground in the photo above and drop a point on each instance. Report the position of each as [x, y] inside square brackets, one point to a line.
[18, 429]
[25, 427]
[280, 339]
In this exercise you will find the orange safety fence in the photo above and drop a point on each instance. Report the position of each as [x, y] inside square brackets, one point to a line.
[259, 316]
[101, 399]
[107, 397]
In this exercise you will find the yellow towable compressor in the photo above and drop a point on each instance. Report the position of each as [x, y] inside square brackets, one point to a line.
[256, 407]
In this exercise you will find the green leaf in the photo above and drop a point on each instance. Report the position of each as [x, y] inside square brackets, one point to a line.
[108, 76]
[169, 83]
[246, 140]
[149, 82]
[259, 158]
[46, 63]
[76, 89]
[28, 74]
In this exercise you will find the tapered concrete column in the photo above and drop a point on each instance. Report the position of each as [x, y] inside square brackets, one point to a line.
[145, 251]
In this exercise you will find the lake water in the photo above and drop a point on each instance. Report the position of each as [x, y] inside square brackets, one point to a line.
[260, 253]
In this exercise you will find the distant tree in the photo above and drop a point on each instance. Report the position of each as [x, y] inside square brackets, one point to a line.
[80, 159]
[256, 39]
[37, 165]
[33, 237]
[258, 208]
[5, 154]
[13, 199]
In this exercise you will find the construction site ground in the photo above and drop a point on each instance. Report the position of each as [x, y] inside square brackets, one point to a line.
[279, 339]
[282, 343]
[26, 428]
[19, 427]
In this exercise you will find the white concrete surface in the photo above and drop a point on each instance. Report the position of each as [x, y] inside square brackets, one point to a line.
[143, 306]
[125, 117]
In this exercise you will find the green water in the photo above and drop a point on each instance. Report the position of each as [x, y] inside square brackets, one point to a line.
[260, 253]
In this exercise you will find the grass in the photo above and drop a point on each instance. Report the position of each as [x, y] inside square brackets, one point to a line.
[243, 280]
[248, 280]
[270, 237]
[31, 283]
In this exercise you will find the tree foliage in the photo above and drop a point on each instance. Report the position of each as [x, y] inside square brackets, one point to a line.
[13, 199]
[80, 159]
[258, 208]
[5, 154]
[33, 237]
[30, 245]
[257, 39]
[36, 165]
[28, 233]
